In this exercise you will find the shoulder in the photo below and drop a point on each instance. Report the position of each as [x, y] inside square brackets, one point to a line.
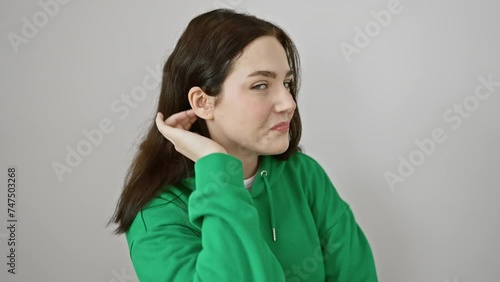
[304, 163]
[173, 195]
[168, 208]
[306, 172]
[301, 170]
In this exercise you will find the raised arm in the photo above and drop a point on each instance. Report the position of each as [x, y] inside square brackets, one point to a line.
[164, 246]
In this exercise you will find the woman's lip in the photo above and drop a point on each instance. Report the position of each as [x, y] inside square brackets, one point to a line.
[282, 126]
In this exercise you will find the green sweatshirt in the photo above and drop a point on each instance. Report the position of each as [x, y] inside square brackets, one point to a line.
[291, 226]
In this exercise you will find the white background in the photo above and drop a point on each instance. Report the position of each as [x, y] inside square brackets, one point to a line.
[440, 224]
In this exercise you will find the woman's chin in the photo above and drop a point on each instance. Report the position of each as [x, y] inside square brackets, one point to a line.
[276, 150]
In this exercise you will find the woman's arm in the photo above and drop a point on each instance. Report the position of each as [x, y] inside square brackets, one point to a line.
[164, 248]
[346, 252]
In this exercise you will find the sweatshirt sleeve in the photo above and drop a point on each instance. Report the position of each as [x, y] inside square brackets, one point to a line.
[231, 247]
[346, 252]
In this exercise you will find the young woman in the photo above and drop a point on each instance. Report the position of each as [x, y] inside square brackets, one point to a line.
[219, 190]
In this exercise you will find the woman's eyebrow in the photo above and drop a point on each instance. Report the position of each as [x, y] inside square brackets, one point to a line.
[270, 74]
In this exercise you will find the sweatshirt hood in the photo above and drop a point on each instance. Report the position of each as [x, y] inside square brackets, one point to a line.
[268, 173]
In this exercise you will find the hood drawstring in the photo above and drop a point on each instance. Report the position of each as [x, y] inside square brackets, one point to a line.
[263, 174]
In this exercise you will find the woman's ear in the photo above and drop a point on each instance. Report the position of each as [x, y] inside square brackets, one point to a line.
[202, 103]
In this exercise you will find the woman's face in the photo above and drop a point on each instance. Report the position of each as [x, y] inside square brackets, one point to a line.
[255, 98]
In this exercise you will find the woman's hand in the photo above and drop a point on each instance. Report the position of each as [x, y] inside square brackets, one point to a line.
[192, 145]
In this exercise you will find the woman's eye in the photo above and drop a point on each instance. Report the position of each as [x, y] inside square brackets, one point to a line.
[264, 86]
[261, 86]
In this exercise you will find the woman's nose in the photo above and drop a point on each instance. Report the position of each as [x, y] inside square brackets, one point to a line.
[285, 102]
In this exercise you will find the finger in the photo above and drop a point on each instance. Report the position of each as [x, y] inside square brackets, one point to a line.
[177, 118]
[182, 119]
[190, 120]
[164, 128]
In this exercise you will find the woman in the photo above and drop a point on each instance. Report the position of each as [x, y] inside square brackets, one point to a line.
[229, 95]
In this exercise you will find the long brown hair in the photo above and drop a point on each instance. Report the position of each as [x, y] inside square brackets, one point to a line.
[204, 56]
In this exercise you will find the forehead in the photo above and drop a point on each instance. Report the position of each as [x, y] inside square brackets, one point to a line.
[264, 53]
